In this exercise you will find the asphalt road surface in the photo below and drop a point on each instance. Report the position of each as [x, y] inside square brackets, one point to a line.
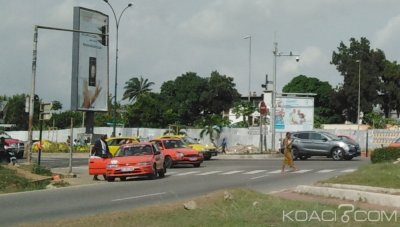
[181, 183]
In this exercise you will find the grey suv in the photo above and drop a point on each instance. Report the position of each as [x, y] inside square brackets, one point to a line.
[319, 143]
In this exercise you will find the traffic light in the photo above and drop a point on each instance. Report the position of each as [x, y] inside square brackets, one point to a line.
[265, 86]
[104, 36]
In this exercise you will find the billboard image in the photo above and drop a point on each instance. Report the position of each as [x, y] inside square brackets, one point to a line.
[89, 90]
[294, 113]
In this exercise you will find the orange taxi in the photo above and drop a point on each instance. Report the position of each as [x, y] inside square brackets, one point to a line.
[131, 160]
[176, 152]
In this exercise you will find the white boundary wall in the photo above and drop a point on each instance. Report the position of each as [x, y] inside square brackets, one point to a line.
[235, 136]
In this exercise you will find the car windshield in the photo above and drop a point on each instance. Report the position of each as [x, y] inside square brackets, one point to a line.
[134, 151]
[174, 144]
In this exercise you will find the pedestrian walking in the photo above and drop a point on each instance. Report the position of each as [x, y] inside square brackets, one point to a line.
[288, 157]
[101, 149]
[223, 145]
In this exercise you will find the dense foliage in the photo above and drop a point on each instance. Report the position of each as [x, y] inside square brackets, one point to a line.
[385, 154]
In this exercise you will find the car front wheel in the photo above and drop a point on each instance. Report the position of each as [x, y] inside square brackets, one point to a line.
[337, 154]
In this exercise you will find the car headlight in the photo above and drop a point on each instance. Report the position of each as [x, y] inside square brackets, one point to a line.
[179, 154]
[145, 163]
[344, 145]
[113, 164]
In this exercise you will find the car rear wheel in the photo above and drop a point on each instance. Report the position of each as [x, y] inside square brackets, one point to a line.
[337, 154]
[168, 162]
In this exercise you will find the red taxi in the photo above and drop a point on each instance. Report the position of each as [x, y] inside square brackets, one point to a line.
[176, 152]
[131, 160]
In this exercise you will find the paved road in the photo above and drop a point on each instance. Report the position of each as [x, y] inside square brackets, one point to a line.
[181, 183]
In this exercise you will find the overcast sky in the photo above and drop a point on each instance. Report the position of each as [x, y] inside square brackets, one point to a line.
[163, 39]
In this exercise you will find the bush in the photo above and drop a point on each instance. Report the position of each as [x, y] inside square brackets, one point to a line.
[385, 154]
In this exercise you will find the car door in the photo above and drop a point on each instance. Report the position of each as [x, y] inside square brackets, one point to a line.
[302, 142]
[97, 165]
[158, 157]
[320, 144]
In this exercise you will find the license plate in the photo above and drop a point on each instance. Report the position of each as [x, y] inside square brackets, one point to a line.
[126, 169]
[193, 159]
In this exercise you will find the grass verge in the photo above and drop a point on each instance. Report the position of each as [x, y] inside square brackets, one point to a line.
[385, 175]
[246, 208]
[11, 182]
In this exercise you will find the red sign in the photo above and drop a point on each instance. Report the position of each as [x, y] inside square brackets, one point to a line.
[263, 108]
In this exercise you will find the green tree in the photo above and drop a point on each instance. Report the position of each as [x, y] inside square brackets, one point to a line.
[244, 109]
[15, 112]
[213, 132]
[372, 67]
[56, 105]
[324, 113]
[135, 87]
[390, 88]
[147, 111]
[187, 96]
[62, 120]
[375, 120]
[221, 93]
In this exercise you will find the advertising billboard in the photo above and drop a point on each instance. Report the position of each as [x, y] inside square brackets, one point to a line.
[294, 113]
[89, 90]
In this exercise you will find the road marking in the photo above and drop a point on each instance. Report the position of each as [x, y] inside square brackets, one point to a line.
[326, 171]
[301, 171]
[171, 173]
[255, 171]
[187, 173]
[276, 171]
[232, 172]
[139, 196]
[253, 178]
[348, 170]
[208, 173]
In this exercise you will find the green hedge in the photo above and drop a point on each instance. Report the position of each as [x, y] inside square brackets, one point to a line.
[52, 147]
[385, 154]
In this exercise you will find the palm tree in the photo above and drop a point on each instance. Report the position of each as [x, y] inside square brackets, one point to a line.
[136, 87]
[213, 131]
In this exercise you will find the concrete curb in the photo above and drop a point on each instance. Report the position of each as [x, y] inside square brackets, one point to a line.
[351, 194]
[362, 188]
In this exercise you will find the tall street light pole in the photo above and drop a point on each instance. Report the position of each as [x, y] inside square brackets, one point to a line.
[116, 61]
[273, 104]
[359, 94]
[249, 38]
